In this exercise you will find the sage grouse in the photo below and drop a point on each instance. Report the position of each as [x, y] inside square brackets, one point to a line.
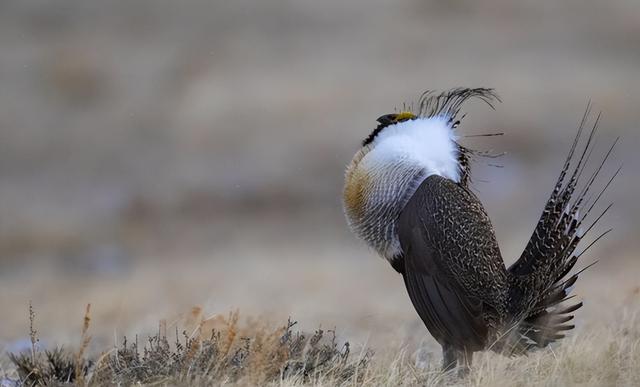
[407, 195]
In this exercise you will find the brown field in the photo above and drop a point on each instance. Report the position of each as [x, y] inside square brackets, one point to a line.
[345, 288]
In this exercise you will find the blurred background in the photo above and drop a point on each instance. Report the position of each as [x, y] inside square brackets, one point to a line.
[158, 155]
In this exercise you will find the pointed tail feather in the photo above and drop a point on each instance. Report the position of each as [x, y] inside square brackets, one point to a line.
[538, 285]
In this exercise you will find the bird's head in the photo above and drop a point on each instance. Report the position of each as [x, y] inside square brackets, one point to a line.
[387, 120]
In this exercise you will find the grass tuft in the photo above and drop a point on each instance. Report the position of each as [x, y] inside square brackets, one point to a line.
[217, 351]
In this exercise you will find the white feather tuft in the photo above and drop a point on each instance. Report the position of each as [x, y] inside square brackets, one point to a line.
[425, 142]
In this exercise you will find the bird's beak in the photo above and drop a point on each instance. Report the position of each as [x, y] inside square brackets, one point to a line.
[389, 119]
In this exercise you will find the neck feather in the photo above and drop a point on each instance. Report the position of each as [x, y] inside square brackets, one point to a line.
[385, 174]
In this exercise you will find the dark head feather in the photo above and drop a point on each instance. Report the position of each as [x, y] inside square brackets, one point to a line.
[448, 103]
[445, 104]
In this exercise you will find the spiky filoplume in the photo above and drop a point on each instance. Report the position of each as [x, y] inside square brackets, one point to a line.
[407, 195]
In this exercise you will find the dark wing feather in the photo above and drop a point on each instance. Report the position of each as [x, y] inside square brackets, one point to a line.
[454, 273]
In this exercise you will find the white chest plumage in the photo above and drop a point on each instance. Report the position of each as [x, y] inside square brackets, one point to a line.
[384, 175]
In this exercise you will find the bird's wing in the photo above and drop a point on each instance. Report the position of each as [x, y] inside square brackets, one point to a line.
[454, 272]
[538, 275]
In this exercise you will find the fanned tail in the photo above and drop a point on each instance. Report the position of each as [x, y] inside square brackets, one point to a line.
[539, 287]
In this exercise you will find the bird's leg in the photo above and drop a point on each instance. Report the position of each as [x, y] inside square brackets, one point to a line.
[466, 359]
[449, 358]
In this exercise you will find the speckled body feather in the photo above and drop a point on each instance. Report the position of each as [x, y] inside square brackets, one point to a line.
[454, 272]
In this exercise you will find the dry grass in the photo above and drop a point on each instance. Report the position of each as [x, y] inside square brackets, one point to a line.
[604, 356]
[224, 350]
[217, 350]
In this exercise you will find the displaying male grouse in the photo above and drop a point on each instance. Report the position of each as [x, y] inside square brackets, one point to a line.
[407, 195]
